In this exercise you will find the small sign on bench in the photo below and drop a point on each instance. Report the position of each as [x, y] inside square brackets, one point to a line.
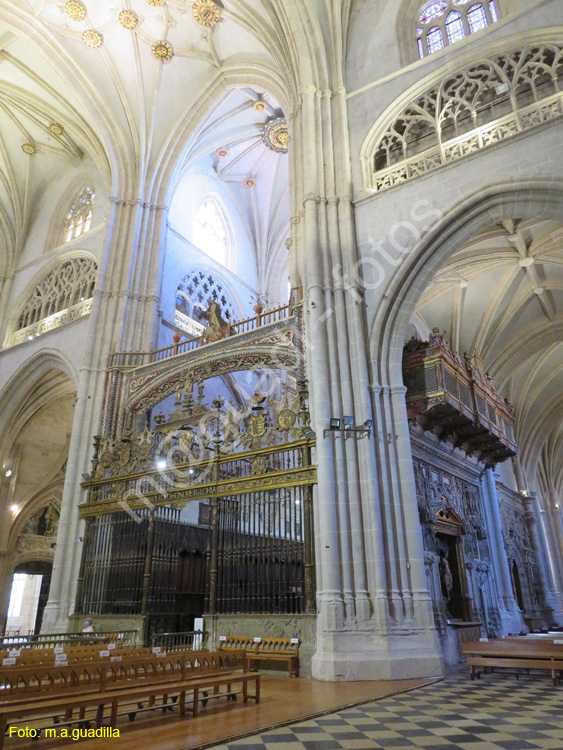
[257, 640]
[222, 637]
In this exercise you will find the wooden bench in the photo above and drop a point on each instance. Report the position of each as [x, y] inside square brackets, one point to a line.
[270, 649]
[276, 649]
[37, 711]
[74, 654]
[42, 681]
[513, 653]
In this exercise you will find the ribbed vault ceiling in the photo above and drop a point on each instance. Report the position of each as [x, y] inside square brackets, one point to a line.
[229, 145]
[501, 296]
[122, 102]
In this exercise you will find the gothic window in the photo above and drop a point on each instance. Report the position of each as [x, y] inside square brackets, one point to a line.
[449, 21]
[79, 219]
[454, 27]
[193, 296]
[211, 232]
[476, 18]
[434, 39]
[63, 295]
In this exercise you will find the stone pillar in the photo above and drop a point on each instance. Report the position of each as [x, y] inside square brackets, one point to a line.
[551, 519]
[374, 612]
[549, 606]
[123, 318]
[511, 617]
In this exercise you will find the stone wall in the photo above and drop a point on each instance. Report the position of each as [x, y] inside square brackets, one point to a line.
[275, 626]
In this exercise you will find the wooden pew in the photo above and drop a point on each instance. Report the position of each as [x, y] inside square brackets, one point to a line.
[74, 653]
[79, 654]
[262, 649]
[276, 649]
[42, 681]
[513, 653]
[34, 711]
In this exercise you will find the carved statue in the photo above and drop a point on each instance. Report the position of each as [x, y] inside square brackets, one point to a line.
[218, 327]
[446, 578]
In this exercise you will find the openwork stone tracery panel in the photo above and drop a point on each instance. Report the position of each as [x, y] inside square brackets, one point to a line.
[478, 105]
[194, 292]
[64, 295]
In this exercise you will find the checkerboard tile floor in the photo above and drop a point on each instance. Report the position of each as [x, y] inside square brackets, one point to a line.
[494, 713]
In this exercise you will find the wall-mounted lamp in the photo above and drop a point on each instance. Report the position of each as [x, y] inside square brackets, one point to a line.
[8, 473]
[15, 509]
[349, 428]
[308, 432]
[161, 464]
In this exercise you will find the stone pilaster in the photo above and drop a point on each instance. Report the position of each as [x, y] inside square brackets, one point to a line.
[510, 614]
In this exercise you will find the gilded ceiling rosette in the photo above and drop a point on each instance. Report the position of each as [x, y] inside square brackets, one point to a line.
[206, 12]
[275, 135]
[162, 50]
[75, 10]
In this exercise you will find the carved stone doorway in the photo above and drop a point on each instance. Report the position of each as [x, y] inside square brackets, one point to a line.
[453, 579]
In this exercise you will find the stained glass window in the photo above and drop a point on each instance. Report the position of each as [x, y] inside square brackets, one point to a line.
[434, 40]
[210, 231]
[454, 27]
[434, 10]
[476, 18]
[447, 22]
[79, 219]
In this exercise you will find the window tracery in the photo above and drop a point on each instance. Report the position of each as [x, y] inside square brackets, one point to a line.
[194, 292]
[449, 21]
[65, 294]
[476, 106]
[79, 219]
[210, 232]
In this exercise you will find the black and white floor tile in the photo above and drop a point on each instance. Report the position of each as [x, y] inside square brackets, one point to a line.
[496, 712]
